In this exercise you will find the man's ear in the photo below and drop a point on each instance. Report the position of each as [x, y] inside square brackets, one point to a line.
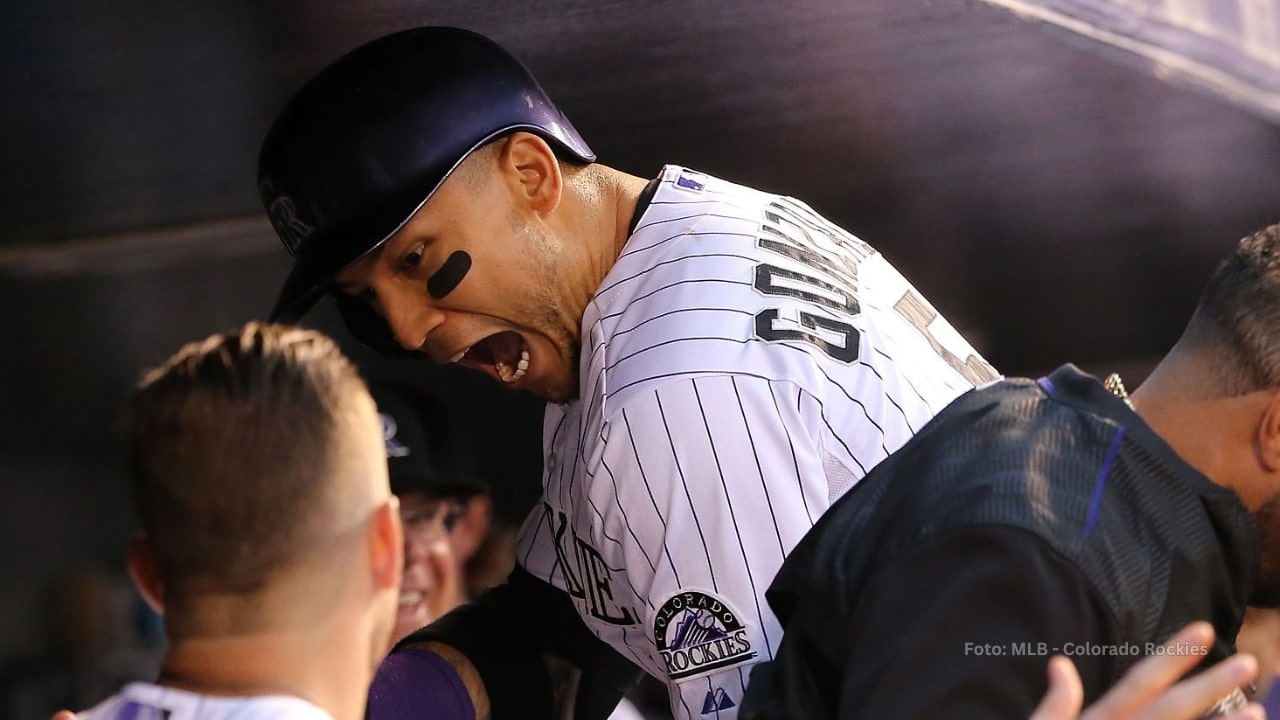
[532, 171]
[472, 526]
[1269, 434]
[386, 544]
[145, 572]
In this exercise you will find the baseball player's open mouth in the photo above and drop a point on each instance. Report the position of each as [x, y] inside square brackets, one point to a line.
[506, 352]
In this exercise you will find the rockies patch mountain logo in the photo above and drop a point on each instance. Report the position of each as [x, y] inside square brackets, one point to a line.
[697, 633]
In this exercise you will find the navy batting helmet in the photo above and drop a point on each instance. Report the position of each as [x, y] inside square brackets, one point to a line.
[369, 139]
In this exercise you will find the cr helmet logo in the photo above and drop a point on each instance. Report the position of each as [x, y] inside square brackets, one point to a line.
[395, 448]
[696, 634]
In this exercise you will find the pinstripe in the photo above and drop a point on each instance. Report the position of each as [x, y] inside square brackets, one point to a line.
[683, 703]
[649, 489]
[680, 283]
[684, 483]
[555, 440]
[678, 218]
[755, 455]
[615, 541]
[661, 316]
[634, 650]
[536, 535]
[631, 252]
[838, 438]
[795, 460]
[733, 516]
[703, 256]
[571, 467]
[630, 528]
[672, 341]
[893, 401]
[849, 451]
[910, 385]
[607, 536]
[789, 348]
[709, 371]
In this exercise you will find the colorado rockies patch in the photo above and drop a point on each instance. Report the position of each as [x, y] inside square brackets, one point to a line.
[698, 633]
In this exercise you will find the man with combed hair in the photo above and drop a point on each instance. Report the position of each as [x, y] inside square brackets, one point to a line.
[1058, 515]
[270, 539]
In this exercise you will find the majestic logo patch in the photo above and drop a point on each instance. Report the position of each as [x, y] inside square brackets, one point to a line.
[133, 710]
[696, 634]
[717, 701]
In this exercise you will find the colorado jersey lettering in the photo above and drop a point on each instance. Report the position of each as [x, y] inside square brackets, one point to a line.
[743, 364]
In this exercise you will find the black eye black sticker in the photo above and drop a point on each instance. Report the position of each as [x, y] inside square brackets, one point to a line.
[454, 269]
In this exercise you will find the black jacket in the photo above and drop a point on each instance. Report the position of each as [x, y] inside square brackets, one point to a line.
[1029, 518]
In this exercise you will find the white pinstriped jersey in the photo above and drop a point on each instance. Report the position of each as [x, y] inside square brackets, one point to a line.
[743, 364]
[144, 701]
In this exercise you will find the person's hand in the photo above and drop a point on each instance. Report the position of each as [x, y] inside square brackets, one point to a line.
[1260, 637]
[63, 715]
[1148, 691]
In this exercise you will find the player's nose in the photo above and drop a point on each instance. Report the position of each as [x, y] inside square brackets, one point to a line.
[410, 318]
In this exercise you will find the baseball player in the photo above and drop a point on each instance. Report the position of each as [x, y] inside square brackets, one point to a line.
[271, 542]
[722, 363]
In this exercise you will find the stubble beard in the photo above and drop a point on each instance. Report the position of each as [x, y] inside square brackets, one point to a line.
[553, 319]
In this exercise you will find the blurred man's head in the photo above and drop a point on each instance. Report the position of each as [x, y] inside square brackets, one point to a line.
[260, 481]
[444, 505]
[1216, 397]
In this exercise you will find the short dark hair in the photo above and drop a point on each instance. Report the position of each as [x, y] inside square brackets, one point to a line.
[1238, 317]
[231, 442]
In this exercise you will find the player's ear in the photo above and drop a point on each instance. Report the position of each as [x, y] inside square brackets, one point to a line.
[1268, 438]
[472, 526]
[385, 540]
[145, 572]
[533, 172]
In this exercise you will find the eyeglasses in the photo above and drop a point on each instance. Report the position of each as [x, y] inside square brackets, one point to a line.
[437, 517]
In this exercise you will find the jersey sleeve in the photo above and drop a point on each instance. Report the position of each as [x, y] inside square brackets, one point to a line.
[962, 627]
[703, 486]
